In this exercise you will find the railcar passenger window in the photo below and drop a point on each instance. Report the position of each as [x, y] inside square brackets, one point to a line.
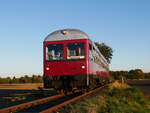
[54, 52]
[90, 52]
[75, 51]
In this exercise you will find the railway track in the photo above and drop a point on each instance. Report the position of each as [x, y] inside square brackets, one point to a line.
[49, 104]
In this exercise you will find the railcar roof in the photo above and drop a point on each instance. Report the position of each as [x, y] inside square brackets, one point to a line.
[66, 34]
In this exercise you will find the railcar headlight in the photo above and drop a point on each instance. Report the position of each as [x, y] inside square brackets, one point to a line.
[47, 68]
[83, 67]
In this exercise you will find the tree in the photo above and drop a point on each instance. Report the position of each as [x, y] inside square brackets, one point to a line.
[135, 74]
[14, 80]
[118, 75]
[147, 75]
[23, 80]
[37, 79]
[106, 51]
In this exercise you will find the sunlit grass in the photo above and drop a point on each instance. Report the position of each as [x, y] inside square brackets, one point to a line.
[117, 98]
[14, 99]
[118, 85]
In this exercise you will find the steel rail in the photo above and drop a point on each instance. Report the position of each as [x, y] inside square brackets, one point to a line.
[55, 108]
[33, 103]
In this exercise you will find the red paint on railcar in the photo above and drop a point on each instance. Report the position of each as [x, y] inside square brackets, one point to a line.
[66, 66]
[73, 66]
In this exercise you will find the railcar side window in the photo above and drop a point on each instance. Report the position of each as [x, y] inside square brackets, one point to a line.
[54, 52]
[75, 51]
[90, 52]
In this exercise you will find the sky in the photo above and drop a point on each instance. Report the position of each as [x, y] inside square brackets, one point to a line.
[124, 25]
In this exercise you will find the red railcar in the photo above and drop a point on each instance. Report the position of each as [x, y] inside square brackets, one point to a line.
[72, 61]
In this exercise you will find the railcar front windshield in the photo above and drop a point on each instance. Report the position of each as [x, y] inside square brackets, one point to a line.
[54, 52]
[75, 51]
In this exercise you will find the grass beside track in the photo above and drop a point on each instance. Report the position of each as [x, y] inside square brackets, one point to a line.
[117, 98]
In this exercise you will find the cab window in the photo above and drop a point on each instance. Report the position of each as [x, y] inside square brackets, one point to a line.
[54, 52]
[75, 51]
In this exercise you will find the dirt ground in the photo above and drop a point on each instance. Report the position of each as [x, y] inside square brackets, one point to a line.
[25, 86]
[13, 94]
[143, 85]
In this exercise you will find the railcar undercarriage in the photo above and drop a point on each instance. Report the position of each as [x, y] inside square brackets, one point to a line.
[64, 84]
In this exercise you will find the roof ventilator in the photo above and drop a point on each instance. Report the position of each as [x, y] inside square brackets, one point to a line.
[64, 32]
